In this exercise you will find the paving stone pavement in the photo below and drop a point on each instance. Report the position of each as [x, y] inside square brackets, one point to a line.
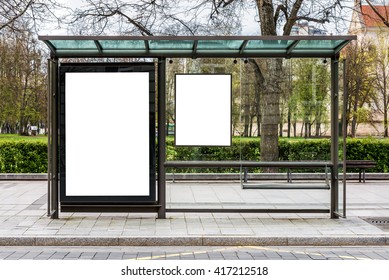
[23, 218]
[194, 253]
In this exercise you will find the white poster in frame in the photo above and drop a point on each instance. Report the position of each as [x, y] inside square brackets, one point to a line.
[203, 109]
[107, 134]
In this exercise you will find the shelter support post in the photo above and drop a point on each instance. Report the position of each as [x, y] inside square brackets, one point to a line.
[344, 134]
[53, 170]
[334, 135]
[161, 137]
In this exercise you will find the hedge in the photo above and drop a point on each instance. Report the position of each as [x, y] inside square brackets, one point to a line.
[31, 157]
[23, 157]
[293, 150]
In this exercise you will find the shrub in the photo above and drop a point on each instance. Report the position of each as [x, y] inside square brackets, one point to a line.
[23, 157]
[31, 157]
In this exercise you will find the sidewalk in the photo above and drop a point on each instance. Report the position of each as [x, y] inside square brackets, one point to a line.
[23, 219]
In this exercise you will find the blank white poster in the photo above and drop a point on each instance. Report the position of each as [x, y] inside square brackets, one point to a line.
[203, 110]
[107, 134]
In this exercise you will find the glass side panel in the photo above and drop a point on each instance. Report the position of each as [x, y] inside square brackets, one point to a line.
[271, 44]
[171, 44]
[74, 44]
[318, 44]
[302, 123]
[122, 44]
[219, 44]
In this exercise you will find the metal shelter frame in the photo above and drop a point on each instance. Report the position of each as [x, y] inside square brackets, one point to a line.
[163, 47]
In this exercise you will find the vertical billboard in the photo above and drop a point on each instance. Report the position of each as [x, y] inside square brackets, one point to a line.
[107, 133]
[203, 110]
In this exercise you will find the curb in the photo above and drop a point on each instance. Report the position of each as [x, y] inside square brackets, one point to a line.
[196, 241]
[23, 177]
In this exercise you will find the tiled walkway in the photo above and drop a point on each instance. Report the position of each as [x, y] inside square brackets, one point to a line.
[23, 219]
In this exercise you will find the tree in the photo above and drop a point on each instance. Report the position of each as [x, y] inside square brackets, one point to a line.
[168, 17]
[311, 88]
[276, 15]
[157, 17]
[381, 80]
[22, 83]
[32, 11]
[360, 61]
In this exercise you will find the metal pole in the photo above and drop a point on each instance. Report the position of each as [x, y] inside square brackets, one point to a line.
[161, 137]
[55, 170]
[345, 100]
[334, 135]
[49, 142]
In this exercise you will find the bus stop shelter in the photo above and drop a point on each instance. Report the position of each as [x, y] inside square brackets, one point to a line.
[159, 49]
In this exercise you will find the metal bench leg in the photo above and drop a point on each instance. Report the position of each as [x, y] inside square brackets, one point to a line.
[289, 176]
[327, 179]
[363, 175]
[245, 175]
[360, 176]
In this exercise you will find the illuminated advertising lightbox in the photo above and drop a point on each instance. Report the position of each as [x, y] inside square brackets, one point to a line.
[107, 135]
[203, 110]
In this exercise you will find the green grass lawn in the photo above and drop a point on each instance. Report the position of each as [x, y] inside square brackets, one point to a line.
[16, 137]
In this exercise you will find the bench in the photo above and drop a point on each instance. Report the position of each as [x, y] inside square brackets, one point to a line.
[361, 165]
[252, 164]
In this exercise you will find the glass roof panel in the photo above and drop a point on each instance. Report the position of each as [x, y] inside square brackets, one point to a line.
[73, 44]
[268, 44]
[202, 46]
[122, 44]
[223, 45]
[318, 44]
[171, 44]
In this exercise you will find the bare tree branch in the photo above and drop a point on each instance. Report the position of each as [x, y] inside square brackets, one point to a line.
[14, 12]
[291, 20]
[35, 12]
[142, 29]
[278, 11]
[320, 20]
[381, 17]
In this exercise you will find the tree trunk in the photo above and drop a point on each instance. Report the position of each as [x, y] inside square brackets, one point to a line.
[281, 124]
[317, 132]
[271, 97]
[281, 128]
[294, 129]
[354, 120]
[302, 129]
[271, 94]
[258, 107]
[385, 122]
[251, 126]
[289, 122]
[354, 127]
[246, 102]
